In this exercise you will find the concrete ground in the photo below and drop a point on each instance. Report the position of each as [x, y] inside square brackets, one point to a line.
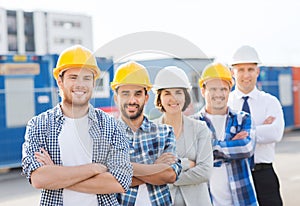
[15, 190]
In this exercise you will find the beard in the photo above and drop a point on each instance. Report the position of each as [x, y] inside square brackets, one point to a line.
[134, 116]
[76, 102]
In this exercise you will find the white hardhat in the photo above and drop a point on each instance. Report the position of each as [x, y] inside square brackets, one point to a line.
[245, 54]
[171, 77]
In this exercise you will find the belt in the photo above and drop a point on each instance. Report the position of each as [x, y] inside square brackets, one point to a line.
[262, 166]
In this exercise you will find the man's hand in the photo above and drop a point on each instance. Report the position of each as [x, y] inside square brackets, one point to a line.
[240, 135]
[269, 120]
[166, 158]
[100, 167]
[192, 163]
[136, 182]
[43, 157]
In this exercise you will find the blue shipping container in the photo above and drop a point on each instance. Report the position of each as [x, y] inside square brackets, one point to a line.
[278, 82]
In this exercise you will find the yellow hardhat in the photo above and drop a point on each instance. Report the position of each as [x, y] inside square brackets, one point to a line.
[216, 71]
[76, 56]
[131, 73]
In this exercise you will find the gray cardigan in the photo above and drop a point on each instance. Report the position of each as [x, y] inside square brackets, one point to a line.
[194, 144]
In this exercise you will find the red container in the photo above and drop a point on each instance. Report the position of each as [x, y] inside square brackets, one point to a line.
[296, 93]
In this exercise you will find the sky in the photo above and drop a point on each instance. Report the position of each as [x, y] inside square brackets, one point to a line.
[217, 27]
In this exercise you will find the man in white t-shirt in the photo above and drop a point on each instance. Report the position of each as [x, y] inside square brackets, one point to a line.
[233, 140]
[76, 154]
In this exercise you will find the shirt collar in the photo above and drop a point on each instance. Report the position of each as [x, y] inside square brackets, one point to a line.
[58, 113]
[253, 94]
[92, 113]
[60, 117]
[144, 127]
[230, 112]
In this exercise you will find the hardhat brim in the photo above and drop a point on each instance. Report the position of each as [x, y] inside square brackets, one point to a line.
[230, 81]
[114, 86]
[58, 70]
[156, 88]
[244, 62]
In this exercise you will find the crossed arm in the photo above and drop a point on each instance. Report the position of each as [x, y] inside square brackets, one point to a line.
[240, 146]
[271, 130]
[158, 173]
[88, 178]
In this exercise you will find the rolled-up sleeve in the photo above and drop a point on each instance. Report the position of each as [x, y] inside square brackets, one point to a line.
[119, 160]
[171, 147]
[29, 147]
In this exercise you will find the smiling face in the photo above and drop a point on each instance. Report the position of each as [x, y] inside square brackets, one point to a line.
[216, 93]
[246, 76]
[131, 100]
[172, 100]
[76, 87]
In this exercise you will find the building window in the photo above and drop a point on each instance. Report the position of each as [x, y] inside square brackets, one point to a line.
[29, 32]
[67, 41]
[11, 22]
[66, 24]
[12, 42]
[102, 88]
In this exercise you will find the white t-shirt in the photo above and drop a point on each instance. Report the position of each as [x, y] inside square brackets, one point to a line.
[76, 148]
[142, 198]
[219, 184]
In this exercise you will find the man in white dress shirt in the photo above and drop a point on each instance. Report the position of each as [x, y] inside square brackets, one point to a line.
[267, 115]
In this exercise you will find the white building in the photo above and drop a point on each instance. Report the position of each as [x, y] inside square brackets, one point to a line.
[41, 32]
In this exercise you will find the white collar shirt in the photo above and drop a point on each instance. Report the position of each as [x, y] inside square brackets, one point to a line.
[262, 105]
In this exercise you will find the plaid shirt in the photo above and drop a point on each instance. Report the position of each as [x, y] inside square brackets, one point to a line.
[146, 145]
[235, 155]
[110, 148]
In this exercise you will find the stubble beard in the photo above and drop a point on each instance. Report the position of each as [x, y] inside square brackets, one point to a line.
[136, 115]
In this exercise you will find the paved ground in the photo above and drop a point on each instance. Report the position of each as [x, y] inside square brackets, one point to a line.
[287, 165]
[15, 190]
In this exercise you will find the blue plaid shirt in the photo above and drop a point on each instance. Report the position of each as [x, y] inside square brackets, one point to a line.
[110, 148]
[146, 145]
[235, 154]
